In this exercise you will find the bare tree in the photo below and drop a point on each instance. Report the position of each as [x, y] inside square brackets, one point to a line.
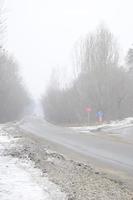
[13, 95]
[100, 83]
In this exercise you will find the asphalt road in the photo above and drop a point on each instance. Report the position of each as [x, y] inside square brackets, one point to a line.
[107, 150]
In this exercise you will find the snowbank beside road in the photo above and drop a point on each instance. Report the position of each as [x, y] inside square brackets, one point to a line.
[19, 179]
[113, 125]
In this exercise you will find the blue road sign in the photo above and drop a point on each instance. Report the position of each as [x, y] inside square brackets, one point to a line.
[100, 114]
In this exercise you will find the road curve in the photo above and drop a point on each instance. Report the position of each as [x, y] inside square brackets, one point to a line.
[117, 154]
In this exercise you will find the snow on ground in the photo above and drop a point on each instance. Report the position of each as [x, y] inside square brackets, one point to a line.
[113, 125]
[19, 179]
[26, 174]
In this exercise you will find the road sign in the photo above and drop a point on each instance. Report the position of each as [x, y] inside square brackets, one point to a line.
[100, 115]
[88, 109]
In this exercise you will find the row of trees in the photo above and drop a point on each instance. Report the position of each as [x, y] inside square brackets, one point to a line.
[100, 83]
[14, 98]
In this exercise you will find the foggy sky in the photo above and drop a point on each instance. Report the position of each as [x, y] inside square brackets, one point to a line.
[41, 33]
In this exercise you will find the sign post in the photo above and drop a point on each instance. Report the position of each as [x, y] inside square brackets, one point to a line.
[100, 115]
[88, 110]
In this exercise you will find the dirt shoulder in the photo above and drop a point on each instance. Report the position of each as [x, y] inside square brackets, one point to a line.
[80, 181]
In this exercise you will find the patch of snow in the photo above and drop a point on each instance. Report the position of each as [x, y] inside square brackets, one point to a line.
[22, 181]
[48, 151]
[127, 122]
[16, 183]
[50, 159]
[19, 179]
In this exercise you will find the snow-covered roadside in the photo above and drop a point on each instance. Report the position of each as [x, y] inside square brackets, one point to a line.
[42, 167]
[19, 179]
[113, 125]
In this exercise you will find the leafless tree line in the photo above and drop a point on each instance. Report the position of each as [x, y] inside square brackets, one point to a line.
[13, 95]
[100, 83]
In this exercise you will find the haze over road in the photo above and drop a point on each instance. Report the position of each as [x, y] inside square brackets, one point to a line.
[109, 151]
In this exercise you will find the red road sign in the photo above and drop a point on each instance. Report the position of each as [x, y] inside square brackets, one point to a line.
[88, 109]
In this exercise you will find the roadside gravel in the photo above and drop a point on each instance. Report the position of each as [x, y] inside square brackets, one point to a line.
[79, 181]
